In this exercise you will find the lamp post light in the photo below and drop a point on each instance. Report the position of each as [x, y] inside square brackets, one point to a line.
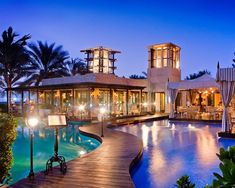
[31, 122]
[81, 108]
[102, 114]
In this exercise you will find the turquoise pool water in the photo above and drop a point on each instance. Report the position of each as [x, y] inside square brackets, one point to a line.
[72, 144]
[175, 149]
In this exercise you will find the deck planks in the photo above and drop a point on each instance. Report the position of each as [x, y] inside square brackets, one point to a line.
[106, 167]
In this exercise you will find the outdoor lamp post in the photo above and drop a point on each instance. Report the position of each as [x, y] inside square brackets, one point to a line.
[81, 108]
[31, 122]
[102, 114]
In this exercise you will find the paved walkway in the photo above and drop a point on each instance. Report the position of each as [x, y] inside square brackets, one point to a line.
[106, 167]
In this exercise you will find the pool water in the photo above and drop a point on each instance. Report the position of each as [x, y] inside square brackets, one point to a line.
[72, 144]
[173, 149]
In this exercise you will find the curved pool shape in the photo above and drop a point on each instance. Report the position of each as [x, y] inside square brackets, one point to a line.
[175, 149]
[72, 144]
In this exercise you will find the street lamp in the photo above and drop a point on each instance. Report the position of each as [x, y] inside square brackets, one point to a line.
[81, 108]
[101, 118]
[31, 122]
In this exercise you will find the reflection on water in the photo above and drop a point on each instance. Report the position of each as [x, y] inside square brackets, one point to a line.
[71, 145]
[174, 149]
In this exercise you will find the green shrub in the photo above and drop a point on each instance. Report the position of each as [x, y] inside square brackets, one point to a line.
[227, 154]
[8, 126]
[184, 182]
[227, 167]
[3, 107]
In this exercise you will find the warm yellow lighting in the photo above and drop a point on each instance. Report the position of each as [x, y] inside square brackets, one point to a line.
[82, 152]
[145, 104]
[173, 127]
[145, 135]
[102, 110]
[81, 107]
[191, 127]
[41, 134]
[32, 122]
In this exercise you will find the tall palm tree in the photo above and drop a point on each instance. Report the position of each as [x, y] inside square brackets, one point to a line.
[197, 75]
[48, 61]
[77, 66]
[14, 58]
[233, 61]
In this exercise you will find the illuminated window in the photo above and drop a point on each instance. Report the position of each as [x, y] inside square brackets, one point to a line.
[96, 54]
[165, 56]
[104, 97]
[105, 54]
[105, 65]
[159, 53]
[100, 59]
[164, 53]
[164, 62]
[96, 65]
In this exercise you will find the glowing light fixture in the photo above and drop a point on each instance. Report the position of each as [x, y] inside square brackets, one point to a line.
[102, 110]
[31, 122]
[81, 107]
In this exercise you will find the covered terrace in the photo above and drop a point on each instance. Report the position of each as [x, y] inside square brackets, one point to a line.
[197, 99]
[81, 96]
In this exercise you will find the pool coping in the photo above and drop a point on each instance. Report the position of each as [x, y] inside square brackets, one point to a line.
[226, 135]
[195, 120]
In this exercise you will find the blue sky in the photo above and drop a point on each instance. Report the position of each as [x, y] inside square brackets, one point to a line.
[205, 29]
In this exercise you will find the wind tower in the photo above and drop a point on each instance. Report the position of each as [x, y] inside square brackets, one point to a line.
[163, 66]
[100, 60]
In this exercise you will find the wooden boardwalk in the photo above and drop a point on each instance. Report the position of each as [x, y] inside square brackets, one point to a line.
[106, 167]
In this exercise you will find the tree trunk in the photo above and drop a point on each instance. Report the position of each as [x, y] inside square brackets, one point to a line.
[9, 100]
[9, 93]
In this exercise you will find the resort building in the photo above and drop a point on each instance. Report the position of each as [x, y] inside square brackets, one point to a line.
[163, 91]
[84, 95]
[163, 66]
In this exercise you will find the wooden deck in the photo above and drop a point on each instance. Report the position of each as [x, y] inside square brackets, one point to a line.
[107, 166]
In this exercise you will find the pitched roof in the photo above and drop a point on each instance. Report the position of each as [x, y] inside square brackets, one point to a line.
[204, 81]
[95, 78]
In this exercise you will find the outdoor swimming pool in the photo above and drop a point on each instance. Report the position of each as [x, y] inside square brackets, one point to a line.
[173, 151]
[72, 144]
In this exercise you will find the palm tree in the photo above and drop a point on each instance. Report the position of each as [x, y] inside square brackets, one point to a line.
[14, 58]
[77, 66]
[197, 75]
[233, 62]
[136, 76]
[48, 61]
